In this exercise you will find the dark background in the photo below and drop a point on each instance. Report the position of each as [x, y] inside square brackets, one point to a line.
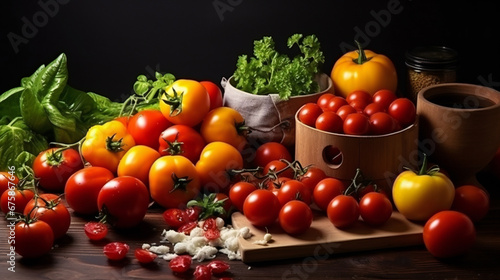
[109, 43]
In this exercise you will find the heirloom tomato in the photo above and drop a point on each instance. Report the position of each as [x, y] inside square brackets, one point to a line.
[106, 144]
[295, 217]
[216, 160]
[185, 102]
[124, 201]
[270, 151]
[137, 161]
[146, 126]
[214, 92]
[449, 234]
[181, 140]
[363, 70]
[261, 208]
[472, 201]
[419, 195]
[83, 187]
[225, 124]
[173, 181]
[54, 166]
[34, 238]
[49, 208]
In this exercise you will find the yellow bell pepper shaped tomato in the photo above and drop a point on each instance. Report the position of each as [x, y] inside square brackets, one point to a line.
[105, 145]
[419, 195]
[363, 70]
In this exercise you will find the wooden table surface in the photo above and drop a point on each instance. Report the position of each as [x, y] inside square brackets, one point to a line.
[75, 257]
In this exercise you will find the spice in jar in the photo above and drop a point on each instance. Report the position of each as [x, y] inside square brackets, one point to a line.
[429, 66]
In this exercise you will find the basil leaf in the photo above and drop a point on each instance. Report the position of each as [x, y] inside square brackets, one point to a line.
[52, 79]
[29, 82]
[33, 112]
[9, 103]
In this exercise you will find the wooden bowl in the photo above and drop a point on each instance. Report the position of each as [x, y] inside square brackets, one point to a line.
[459, 128]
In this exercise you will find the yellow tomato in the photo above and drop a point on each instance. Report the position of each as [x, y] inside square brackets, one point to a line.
[137, 161]
[420, 195]
[226, 125]
[363, 70]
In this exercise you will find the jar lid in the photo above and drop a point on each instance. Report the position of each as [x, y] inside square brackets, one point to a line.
[431, 58]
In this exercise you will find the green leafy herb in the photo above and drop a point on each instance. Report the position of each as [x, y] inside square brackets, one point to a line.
[271, 72]
[209, 206]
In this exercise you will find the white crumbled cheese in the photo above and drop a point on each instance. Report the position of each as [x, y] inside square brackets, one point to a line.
[180, 248]
[231, 254]
[267, 237]
[146, 246]
[173, 236]
[169, 256]
[219, 222]
[159, 250]
[232, 244]
[216, 242]
[196, 232]
[245, 232]
[205, 252]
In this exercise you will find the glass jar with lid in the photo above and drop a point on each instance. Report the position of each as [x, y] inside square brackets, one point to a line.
[429, 65]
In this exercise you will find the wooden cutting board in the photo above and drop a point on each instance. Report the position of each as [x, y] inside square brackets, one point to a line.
[323, 238]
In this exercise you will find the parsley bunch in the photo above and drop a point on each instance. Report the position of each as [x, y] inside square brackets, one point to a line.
[271, 72]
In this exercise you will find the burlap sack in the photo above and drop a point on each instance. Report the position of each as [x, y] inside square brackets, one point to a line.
[269, 117]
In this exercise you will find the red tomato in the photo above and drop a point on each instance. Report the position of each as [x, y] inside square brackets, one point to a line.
[343, 211]
[295, 217]
[214, 92]
[330, 122]
[144, 256]
[448, 234]
[472, 201]
[324, 100]
[312, 177]
[49, 208]
[146, 127]
[83, 187]
[239, 192]
[14, 201]
[54, 166]
[123, 119]
[202, 272]
[280, 168]
[346, 110]
[125, 201]
[218, 267]
[335, 103]
[261, 208]
[116, 250]
[227, 205]
[33, 239]
[181, 140]
[187, 227]
[403, 110]
[95, 230]
[332, 155]
[211, 234]
[373, 108]
[359, 105]
[356, 124]
[375, 208]
[384, 97]
[8, 180]
[309, 113]
[294, 190]
[382, 123]
[325, 190]
[175, 217]
[270, 151]
[360, 96]
[180, 263]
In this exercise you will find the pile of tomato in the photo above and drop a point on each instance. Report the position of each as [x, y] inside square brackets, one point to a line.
[359, 113]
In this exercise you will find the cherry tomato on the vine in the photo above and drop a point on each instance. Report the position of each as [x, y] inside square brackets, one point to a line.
[49, 208]
[271, 151]
[239, 192]
[312, 177]
[295, 217]
[325, 190]
[54, 166]
[261, 208]
[294, 190]
[375, 208]
[33, 239]
[343, 211]
[8, 180]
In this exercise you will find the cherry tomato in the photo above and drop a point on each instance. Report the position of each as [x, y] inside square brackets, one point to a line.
[211, 234]
[308, 113]
[239, 192]
[187, 227]
[281, 168]
[356, 124]
[181, 140]
[144, 256]
[218, 267]
[271, 151]
[49, 208]
[227, 125]
[33, 239]
[343, 211]
[335, 103]
[382, 123]
[227, 205]
[472, 201]
[324, 100]
[448, 234]
[173, 181]
[384, 97]
[185, 102]
[137, 162]
[261, 208]
[325, 190]
[330, 122]
[54, 166]
[83, 187]
[360, 96]
[373, 108]
[175, 217]
[403, 110]
[295, 217]
[14, 201]
[8, 180]
[312, 177]
[346, 110]
[116, 250]
[375, 208]
[180, 263]
[202, 272]
[95, 230]
[294, 190]
[146, 126]
[214, 92]
[125, 201]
